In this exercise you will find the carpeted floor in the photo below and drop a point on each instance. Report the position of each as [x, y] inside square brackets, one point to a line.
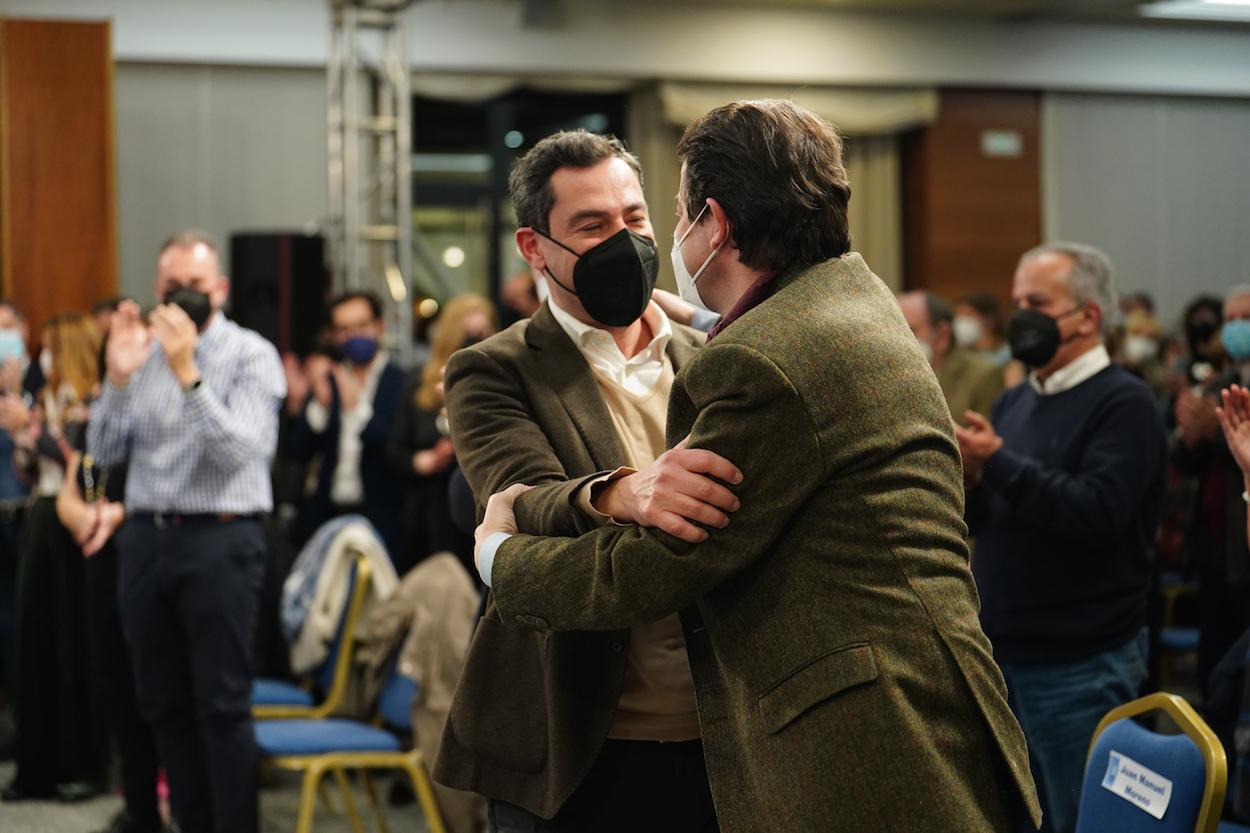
[279, 801]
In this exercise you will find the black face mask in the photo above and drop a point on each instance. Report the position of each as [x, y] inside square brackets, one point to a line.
[194, 303]
[1199, 332]
[1034, 336]
[615, 278]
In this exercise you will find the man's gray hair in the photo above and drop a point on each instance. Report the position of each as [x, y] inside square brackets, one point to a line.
[1237, 291]
[1091, 279]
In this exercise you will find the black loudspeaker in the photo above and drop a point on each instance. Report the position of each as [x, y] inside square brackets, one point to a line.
[279, 287]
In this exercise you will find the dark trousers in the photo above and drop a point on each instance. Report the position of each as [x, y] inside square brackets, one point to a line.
[114, 689]
[189, 594]
[10, 525]
[57, 735]
[633, 786]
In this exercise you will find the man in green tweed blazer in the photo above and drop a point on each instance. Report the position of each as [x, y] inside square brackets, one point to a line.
[843, 680]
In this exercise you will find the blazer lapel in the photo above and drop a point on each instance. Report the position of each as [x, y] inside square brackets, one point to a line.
[571, 378]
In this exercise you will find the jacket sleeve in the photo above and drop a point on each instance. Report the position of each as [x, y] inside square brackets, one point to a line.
[1122, 460]
[615, 577]
[498, 443]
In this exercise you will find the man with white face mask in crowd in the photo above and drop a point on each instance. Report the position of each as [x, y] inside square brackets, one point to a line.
[582, 732]
[968, 382]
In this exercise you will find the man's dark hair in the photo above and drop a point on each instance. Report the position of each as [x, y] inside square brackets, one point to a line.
[988, 306]
[109, 304]
[529, 184]
[937, 309]
[370, 298]
[776, 169]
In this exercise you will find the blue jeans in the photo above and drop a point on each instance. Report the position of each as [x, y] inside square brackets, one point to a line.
[1059, 705]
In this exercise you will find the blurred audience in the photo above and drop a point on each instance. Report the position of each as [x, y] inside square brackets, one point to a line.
[14, 414]
[520, 296]
[420, 448]
[1215, 539]
[979, 325]
[1064, 483]
[58, 753]
[348, 408]
[1140, 352]
[969, 382]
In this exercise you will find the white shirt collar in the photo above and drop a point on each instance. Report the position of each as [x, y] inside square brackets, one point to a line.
[637, 374]
[1074, 373]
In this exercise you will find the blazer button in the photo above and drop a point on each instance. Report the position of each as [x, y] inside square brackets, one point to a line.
[617, 646]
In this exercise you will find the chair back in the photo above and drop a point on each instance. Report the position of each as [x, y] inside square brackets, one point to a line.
[1140, 781]
[395, 700]
[332, 675]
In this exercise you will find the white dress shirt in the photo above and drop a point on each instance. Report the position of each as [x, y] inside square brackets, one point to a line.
[346, 487]
[1080, 369]
[637, 374]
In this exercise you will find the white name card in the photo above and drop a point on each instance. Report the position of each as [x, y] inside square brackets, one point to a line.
[1137, 784]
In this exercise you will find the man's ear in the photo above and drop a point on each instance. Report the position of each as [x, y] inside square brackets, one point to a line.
[221, 293]
[527, 247]
[1093, 316]
[724, 232]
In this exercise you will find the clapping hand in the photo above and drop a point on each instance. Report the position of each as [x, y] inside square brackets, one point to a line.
[977, 443]
[1234, 418]
[178, 336]
[128, 346]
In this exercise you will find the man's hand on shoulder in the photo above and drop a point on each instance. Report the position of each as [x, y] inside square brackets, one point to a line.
[682, 488]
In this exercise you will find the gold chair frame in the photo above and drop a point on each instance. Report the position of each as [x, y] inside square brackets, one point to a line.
[337, 764]
[342, 663]
[1199, 732]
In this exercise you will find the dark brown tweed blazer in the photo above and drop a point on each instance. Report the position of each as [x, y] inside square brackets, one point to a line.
[532, 709]
[844, 682]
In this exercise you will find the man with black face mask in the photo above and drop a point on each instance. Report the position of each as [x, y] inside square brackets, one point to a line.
[582, 731]
[1064, 489]
[191, 401]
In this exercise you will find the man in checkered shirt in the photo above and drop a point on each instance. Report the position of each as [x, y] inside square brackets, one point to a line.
[191, 402]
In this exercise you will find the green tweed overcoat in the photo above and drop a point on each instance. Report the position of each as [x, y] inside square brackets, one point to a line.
[844, 683]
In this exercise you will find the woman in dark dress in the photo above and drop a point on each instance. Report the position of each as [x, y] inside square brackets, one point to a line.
[420, 448]
[58, 739]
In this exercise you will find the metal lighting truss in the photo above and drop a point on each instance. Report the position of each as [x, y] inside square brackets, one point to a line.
[369, 129]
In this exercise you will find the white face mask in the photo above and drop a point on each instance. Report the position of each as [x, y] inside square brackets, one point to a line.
[685, 281]
[45, 362]
[1138, 349]
[967, 330]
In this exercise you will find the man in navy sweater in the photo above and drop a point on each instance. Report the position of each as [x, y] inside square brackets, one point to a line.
[1064, 488]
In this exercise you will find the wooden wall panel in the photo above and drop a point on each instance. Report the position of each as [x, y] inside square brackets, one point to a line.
[967, 216]
[58, 237]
